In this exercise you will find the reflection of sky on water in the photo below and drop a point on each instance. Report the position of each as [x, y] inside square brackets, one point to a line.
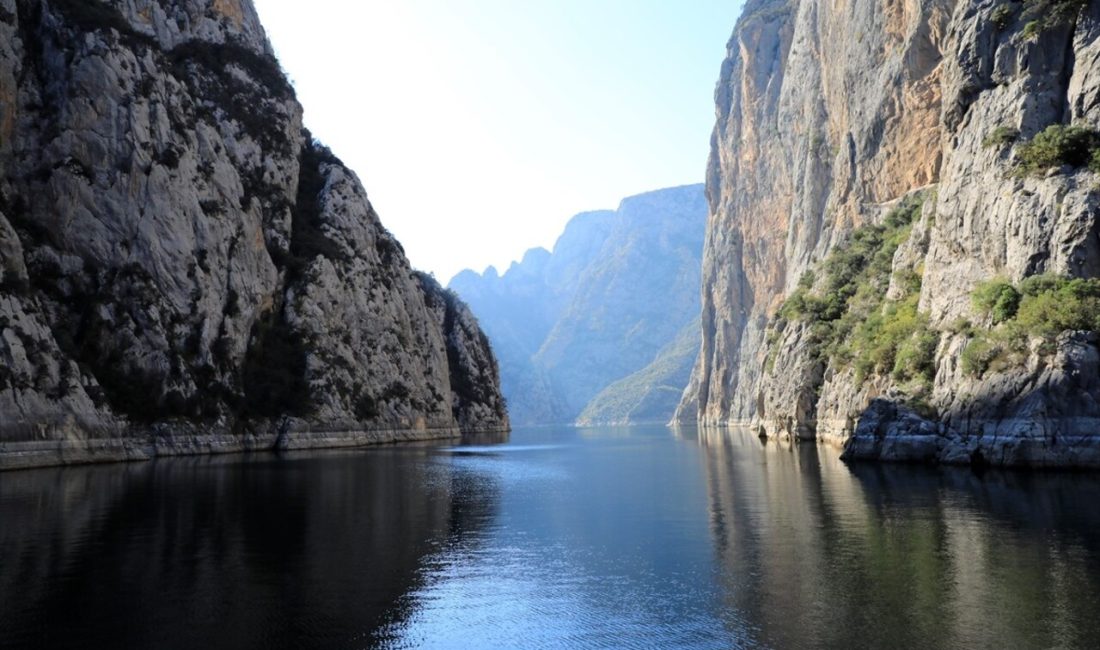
[646, 538]
[582, 552]
[560, 538]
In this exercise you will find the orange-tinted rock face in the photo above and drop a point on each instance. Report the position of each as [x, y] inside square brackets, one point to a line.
[231, 9]
[825, 110]
[828, 113]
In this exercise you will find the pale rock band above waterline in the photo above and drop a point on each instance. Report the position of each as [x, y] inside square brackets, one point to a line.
[901, 255]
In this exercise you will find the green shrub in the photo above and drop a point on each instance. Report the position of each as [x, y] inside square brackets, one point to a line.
[1036, 284]
[904, 214]
[1048, 14]
[1000, 136]
[851, 321]
[916, 355]
[1094, 162]
[894, 339]
[1043, 306]
[996, 298]
[1003, 15]
[806, 281]
[1074, 305]
[1058, 145]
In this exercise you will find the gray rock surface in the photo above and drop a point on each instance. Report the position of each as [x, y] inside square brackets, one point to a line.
[610, 301]
[183, 268]
[828, 114]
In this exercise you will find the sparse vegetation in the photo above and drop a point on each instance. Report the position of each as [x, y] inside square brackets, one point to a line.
[253, 100]
[274, 372]
[1000, 137]
[852, 322]
[233, 304]
[1059, 145]
[98, 16]
[396, 391]
[471, 378]
[1004, 14]
[308, 238]
[1042, 306]
[366, 408]
[1032, 29]
[1047, 14]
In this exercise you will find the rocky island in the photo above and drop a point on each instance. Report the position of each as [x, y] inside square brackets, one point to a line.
[183, 269]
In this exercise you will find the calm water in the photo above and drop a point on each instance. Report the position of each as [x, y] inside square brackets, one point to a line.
[557, 538]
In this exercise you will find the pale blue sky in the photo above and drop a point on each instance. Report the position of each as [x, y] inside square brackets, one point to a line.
[480, 126]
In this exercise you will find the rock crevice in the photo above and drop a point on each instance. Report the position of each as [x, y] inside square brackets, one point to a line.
[828, 115]
[182, 268]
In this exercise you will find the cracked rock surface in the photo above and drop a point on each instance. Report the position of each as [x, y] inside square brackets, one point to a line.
[183, 269]
[829, 115]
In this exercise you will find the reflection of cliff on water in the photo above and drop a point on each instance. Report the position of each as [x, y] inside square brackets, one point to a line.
[317, 549]
[816, 553]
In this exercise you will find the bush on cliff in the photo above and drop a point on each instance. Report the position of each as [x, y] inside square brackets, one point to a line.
[852, 322]
[1000, 136]
[1044, 307]
[1048, 14]
[1058, 145]
[997, 299]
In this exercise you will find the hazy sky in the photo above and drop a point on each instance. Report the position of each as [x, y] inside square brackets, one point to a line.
[480, 126]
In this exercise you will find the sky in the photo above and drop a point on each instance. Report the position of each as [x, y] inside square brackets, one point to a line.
[479, 127]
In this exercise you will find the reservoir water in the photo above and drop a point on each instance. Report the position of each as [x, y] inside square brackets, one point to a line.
[554, 538]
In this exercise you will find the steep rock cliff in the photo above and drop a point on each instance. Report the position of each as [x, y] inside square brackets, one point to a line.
[608, 302]
[183, 268]
[905, 131]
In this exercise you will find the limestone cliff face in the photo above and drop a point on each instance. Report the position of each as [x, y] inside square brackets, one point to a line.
[183, 269]
[831, 116]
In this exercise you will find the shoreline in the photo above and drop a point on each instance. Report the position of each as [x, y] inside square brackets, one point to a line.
[69, 451]
[997, 443]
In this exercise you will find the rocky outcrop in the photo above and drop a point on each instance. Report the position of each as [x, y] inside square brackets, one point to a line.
[610, 301]
[184, 268]
[833, 119]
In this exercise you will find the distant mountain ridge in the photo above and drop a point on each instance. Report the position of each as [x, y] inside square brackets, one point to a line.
[608, 302]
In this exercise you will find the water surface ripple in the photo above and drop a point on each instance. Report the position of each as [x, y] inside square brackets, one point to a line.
[557, 538]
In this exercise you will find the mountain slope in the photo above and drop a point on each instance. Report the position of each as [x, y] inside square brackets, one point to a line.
[617, 288]
[874, 166]
[183, 268]
[651, 394]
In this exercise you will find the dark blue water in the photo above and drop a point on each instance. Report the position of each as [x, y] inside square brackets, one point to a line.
[617, 538]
